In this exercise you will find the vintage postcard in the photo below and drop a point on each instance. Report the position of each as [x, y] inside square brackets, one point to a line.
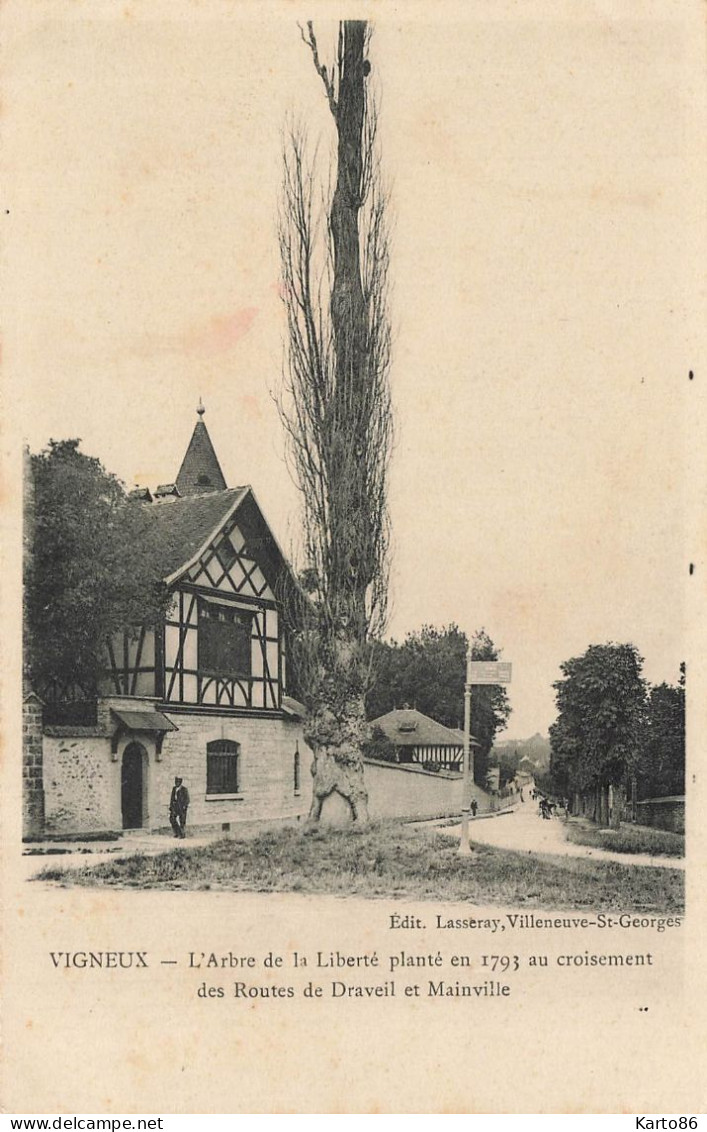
[353, 557]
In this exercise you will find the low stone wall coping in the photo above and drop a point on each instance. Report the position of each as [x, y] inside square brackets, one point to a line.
[416, 768]
[674, 799]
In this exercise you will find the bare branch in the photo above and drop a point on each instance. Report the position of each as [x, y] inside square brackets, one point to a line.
[327, 79]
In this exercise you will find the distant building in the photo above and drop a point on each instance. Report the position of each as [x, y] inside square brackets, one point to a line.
[493, 778]
[527, 771]
[420, 739]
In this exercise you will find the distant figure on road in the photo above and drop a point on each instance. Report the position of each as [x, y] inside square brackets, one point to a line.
[474, 807]
[178, 806]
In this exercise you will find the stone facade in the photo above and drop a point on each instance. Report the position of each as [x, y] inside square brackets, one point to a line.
[267, 775]
[83, 774]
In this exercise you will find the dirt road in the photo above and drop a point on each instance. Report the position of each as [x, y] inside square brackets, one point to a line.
[526, 831]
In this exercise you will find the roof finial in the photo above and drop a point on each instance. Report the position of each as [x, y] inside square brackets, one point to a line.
[200, 408]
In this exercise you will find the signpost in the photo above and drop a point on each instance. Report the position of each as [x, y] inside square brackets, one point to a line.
[488, 672]
[477, 672]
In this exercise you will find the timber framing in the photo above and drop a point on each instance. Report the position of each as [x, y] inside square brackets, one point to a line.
[232, 577]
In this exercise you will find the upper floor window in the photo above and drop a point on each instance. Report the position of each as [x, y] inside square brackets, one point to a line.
[224, 640]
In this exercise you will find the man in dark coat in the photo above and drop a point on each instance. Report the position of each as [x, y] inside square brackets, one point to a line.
[178, 806]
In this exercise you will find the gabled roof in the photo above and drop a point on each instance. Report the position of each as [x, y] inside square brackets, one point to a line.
[407, 727]
[187, 524]
[200, 471]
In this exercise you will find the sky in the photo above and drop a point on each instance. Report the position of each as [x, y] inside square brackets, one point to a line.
[541, 169]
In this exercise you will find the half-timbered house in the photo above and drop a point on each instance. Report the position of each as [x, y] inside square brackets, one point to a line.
[420, 739]
[202, 696]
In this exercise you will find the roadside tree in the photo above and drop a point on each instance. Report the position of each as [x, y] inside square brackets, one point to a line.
[662, 766]
[596, 739]
[336, 411]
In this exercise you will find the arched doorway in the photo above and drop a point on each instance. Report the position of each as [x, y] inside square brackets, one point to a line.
[133, 786]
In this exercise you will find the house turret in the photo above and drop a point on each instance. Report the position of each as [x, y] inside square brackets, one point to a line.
[200, 471]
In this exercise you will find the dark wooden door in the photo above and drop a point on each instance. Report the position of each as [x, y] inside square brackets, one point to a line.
[132, 787]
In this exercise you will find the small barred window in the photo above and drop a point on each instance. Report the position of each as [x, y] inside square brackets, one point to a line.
[297, 770]
[223, 770]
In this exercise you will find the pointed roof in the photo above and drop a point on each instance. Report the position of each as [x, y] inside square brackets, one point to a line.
[200, 471]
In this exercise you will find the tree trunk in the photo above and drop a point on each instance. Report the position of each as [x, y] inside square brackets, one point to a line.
[618, 806]
[601, 806]
[603, 792]
[349, 513]
[348, 308]
[335, 741]
[338, 728]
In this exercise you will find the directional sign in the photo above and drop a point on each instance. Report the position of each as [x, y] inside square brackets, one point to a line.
[489, 672]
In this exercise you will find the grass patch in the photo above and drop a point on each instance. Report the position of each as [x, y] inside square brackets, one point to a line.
[628, 839]
[389, 859]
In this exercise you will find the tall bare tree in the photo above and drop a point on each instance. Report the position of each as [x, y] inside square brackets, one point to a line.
[337, 412]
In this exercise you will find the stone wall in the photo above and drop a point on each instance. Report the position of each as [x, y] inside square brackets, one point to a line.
[81, 782]
[406, 790]
[662, 813]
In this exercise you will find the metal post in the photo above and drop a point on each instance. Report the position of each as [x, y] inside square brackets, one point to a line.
[464, 846]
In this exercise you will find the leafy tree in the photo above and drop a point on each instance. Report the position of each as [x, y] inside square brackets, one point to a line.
[336, 411]
[427, 671]
[596, 739]
[661, 771]
[91, 567]
[379, 746]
